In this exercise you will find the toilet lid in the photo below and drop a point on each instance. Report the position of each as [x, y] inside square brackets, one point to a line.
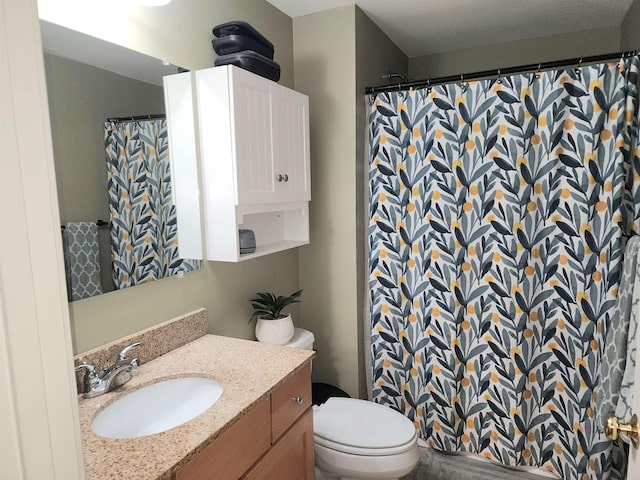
[361, 424]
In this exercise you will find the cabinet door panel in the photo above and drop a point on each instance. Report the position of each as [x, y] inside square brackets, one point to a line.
[252, 135]
[234, 451]
[291, 457]
[291, 144]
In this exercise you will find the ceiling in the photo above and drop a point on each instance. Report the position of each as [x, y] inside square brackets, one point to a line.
[423, 27]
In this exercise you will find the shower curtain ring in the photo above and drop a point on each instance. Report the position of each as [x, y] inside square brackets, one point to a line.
[499, 80]
[577, 69]
[537, 74]
[463, 86]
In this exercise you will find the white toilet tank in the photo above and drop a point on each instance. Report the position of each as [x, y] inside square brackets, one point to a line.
[301, 339]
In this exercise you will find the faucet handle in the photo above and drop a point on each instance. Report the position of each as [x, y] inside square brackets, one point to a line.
[91, 378]
[91, 370]
[122, 356]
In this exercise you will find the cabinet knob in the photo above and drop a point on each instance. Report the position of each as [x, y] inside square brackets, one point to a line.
[299, 399]
[281, 178]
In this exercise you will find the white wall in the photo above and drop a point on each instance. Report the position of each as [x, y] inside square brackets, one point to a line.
[521, 52]
[630, 30]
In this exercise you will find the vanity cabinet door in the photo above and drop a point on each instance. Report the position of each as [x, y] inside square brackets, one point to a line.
[291, 457]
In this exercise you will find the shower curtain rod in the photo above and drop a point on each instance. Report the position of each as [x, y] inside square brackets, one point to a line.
[465, 77]
[136, 117]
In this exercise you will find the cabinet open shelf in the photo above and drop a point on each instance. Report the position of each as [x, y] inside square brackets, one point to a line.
[271, 248]
[276, 227]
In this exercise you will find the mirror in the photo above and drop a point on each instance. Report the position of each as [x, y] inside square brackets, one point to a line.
[112, 162]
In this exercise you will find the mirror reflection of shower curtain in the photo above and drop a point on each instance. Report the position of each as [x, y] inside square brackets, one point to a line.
[144, 241]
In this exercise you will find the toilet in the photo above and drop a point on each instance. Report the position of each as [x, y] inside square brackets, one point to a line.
[359, 440]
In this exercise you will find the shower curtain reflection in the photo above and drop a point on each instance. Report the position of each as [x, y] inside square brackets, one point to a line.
[499, 211]
[144, 241]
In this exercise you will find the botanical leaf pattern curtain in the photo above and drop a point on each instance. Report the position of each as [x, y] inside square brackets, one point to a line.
[144, 241]
[499, 212]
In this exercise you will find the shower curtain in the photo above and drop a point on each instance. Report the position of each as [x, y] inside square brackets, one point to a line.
[499, 211]
[144, 241]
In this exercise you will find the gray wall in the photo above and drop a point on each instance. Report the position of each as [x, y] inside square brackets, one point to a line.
[336, 54]
[521, 52]
[630, 30]
[181, 32]
[324, 62]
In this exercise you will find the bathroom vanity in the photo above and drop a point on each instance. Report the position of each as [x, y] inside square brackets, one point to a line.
[260, 428]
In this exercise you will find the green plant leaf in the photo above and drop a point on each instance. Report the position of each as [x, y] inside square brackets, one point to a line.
[268, 306]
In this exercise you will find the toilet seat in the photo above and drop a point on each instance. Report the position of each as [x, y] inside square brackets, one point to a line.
[367, 452]
[363, 428]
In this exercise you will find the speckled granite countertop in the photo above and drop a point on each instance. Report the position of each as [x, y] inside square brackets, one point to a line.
[248, 370]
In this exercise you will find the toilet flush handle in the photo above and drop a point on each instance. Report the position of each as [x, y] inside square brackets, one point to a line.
[299, 399]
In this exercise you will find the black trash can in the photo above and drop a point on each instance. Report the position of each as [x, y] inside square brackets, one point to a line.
[321, 392]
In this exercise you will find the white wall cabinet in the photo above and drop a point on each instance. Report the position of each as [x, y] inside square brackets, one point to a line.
[254, 154]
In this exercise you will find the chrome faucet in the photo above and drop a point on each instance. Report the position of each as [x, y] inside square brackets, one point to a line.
[117, 374]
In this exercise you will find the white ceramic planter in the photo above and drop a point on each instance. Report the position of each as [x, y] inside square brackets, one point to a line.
[276, 332]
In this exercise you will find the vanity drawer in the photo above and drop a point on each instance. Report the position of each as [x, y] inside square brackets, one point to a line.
[289, 401]
[234, 451]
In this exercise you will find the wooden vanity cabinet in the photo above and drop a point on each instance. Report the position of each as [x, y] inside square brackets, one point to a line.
[273, 440]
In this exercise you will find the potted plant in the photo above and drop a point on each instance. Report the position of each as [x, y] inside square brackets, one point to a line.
[272, 325]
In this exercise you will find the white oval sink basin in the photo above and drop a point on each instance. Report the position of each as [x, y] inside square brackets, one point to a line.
[157, 407]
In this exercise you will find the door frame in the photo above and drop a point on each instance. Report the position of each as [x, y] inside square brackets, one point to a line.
[39, 409]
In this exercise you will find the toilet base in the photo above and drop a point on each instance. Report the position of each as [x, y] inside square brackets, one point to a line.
[322, 475]
[335, 465]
